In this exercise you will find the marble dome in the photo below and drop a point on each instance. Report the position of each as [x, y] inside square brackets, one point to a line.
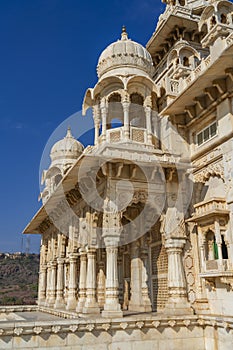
[68, 147]
[127, 53]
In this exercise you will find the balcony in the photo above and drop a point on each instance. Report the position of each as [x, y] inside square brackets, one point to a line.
[217, 268]
[212, 208]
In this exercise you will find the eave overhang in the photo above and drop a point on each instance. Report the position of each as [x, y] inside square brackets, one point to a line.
[216, 70]
[162, 33]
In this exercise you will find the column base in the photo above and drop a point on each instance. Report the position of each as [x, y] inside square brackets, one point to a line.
[178, 306]
[112, 314]
[80, 306]
[201, 306]
[112, 310]
[41, 302]
[71, 304]
[140, 308]
[91, 308]
[50, 303]
[59, 304]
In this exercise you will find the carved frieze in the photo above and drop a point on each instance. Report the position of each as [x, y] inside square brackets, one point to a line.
[213, 169]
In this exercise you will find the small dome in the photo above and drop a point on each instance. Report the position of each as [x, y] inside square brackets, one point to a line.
[68, 147]
[125, 52]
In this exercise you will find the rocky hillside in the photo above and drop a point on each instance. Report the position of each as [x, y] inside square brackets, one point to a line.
[18, 278]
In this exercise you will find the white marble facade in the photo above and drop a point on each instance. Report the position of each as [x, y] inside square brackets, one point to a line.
[147, 224]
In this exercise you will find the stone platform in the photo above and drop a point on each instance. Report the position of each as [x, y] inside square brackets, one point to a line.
[30, 328]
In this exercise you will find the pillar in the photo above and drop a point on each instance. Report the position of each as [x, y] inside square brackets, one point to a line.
[42, 285]
[218, 238]
[82, 280]
[101, 285]
[96, 112]
[126, 105]
[202, 243]
[52, 283]
[148, 124]
[91, 306]
[135, 303]
[112, 306]
[48, 283]
[103, 107]
[198, 243]
[71, 300]
[177, 292]
[146, 302]
[60, 302]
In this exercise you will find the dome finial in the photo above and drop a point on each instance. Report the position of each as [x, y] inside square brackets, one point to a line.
[124, 35]
[69, 132]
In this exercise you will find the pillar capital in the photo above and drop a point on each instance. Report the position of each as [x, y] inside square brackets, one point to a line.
[90, 251]
[60, 261]
[43, 267]
[125, 105]
[111, 227]
[175, 244]
[148, 103]
[53, 264]
[96, 111]
[73, 257]
[82, 251]
[103, 105]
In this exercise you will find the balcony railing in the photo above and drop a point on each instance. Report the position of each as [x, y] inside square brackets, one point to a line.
[217, 268]
[213, 205]
[136, 134]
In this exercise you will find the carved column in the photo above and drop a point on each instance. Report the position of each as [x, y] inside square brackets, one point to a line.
[112, 307]
[198, 244]
[202, 242]
[145, 291]
[135, 303]
[71, 300]
[82, 280]
[42, 285]
[60, 302]
[101, 285]
[126, 105]
[53, 273]
[218, 238]
[177, 291]
[148, 124]
[91, 306]
[48, 283]
[104, 111]
[96, 114]
[120, 276]
[111, 234]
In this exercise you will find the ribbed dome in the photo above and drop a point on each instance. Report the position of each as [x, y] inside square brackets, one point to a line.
[68, 147]
[125, 52]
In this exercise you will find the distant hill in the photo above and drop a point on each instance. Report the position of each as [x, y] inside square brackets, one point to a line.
[18, 278]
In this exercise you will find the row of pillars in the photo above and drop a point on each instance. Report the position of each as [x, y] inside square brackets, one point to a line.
[51, 284]
[100, 114]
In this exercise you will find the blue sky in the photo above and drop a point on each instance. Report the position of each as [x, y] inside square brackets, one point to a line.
[49, 52]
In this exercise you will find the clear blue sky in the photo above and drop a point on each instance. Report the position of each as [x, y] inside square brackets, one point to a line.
[49, 52]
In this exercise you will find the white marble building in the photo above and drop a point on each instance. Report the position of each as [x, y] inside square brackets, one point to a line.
[137, 230]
